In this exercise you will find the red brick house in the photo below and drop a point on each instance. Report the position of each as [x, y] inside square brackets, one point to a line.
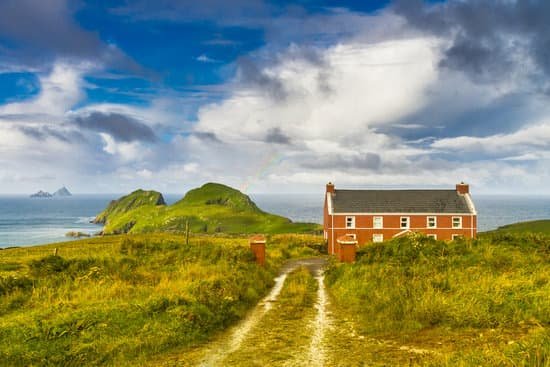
[380, 215]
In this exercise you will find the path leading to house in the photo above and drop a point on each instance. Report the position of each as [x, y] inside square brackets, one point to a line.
[276, 333]
[317, 349]
[271, 334]
[263, 323]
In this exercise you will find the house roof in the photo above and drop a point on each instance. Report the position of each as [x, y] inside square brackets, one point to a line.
[399, 201]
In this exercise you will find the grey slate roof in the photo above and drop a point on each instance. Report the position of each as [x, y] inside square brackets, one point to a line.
[399, 201]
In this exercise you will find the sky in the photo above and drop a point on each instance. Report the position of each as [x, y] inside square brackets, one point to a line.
[274, 96]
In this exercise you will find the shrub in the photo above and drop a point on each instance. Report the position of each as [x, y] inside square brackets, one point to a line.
[48, 265]
[10, 284]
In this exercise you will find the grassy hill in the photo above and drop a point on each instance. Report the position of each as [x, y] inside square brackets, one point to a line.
[122, 300]
[136, 199]
[536, 226]
[483, 302]
[212, 208]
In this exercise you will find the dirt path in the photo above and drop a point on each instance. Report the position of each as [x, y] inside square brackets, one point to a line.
[317, 349]
[269, 334]
[218, 351]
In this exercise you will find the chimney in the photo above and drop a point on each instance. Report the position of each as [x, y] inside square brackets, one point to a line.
[462, 188]
[330, 187]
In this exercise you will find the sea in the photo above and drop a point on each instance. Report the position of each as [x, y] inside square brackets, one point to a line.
[28, 221]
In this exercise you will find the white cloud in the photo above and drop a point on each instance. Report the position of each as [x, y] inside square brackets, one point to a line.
[60, 90]
[343, 114]
[204, 58]
[533, 137]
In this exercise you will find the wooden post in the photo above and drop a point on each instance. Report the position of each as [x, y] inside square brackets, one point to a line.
[257, 245]
[187, 232]
[55, 251]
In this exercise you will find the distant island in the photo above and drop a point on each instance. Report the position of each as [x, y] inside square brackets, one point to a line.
[41, 194]
[62, 192]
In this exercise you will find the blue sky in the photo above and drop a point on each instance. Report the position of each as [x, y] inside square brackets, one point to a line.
[272, 96]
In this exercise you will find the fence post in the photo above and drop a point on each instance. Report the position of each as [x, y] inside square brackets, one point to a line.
[187, 232]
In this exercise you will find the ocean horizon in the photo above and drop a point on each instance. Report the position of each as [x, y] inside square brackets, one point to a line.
[26, 221]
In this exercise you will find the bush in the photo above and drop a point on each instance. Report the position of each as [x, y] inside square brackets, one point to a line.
[10, 284]
[48, 265]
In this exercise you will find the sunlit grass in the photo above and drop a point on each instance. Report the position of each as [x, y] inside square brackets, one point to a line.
[119, 300]
[419, 286]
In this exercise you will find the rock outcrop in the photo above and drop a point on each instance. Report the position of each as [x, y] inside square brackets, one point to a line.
[62, 192]
[41, 194]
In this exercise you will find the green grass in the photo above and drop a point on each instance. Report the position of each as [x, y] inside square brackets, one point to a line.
[473, 302]
[122, 300]
[212, 208]
[536, 226]
[136, 199]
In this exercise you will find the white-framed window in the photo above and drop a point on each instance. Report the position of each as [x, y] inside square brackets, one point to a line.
[378, 237]
[325, 235]
[350, 222]
[431, 222]
[457, 222]
[431, 235]
[405, 222]
[378, 222]
[456, 236]
[352, 235]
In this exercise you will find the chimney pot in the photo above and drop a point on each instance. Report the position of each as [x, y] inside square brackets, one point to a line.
[463, 188]
[330, 187]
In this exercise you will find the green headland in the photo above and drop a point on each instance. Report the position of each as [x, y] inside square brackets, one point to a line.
[535, 226]
[211, 208]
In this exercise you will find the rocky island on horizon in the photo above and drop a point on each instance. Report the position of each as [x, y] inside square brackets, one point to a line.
[41, 194]
[62, 192]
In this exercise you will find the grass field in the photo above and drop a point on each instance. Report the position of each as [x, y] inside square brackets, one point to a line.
[122, 300]
[535, 226]
[483, 302]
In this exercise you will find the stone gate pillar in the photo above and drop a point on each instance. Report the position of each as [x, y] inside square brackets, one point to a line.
[257, 245]
[348, 248]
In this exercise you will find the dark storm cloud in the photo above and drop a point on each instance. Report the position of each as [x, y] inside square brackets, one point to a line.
[276, 136]
[44, 132]
[252, 74]
[45, 30]
[367, 161]
[207, 136]
[503, 115]
[489, 38]
[120, 127]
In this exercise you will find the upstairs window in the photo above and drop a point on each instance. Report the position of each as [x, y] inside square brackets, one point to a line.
[378, 222]
[431, 222]
[457, 222]
[405, 222]
[350, 222]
